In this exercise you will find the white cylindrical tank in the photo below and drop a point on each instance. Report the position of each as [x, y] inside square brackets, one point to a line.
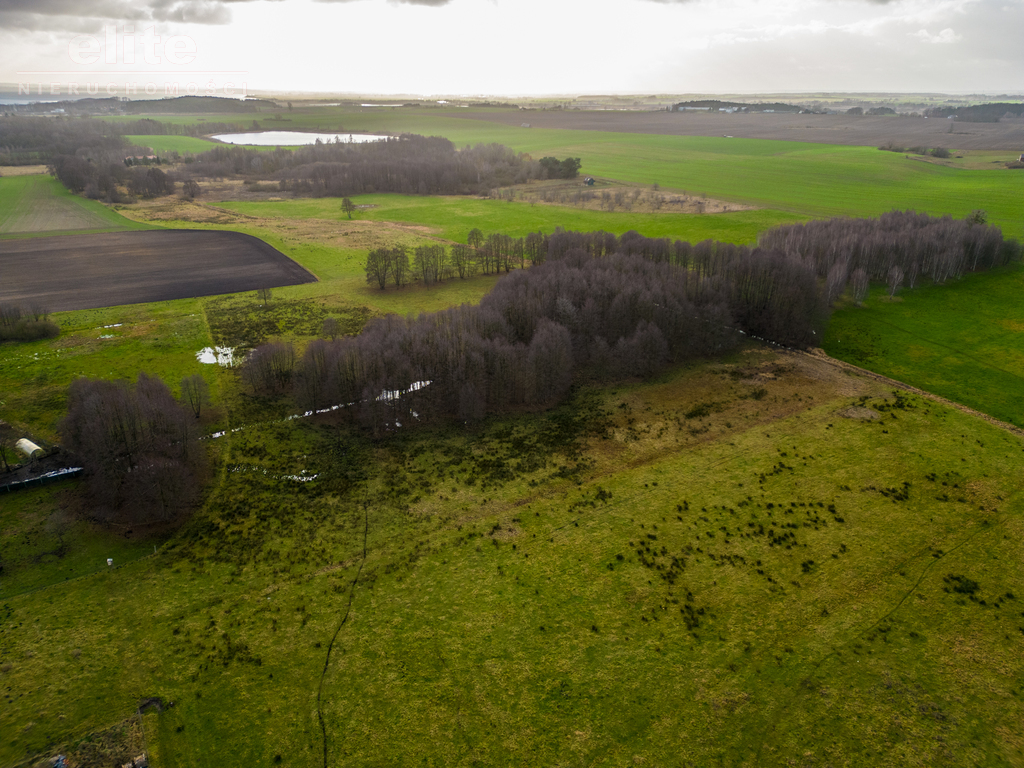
[27, 447]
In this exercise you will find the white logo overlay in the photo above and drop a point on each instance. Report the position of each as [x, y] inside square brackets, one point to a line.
[132, 65]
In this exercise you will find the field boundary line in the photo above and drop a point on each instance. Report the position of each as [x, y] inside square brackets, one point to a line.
[344, 619]
[822, 356]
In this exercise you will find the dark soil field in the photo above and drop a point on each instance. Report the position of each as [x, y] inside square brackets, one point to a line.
[104, 270]
[853, 130]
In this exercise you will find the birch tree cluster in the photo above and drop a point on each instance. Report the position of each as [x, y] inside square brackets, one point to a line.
[896, 248]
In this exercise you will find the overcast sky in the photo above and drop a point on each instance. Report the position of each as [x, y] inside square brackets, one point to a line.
[512, 47]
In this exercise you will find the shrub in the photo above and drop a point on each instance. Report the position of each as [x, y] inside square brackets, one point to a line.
[18, 325]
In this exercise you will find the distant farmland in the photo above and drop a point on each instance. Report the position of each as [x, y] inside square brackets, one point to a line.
[102, 270]
[851, 130]
[34, 205]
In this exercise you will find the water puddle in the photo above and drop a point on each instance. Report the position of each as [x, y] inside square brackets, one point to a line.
[223, 356]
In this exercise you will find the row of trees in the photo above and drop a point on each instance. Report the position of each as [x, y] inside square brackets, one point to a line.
[780, 290]
[430, 264]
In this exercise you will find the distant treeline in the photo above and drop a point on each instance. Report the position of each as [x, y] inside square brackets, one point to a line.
[979, 113]
[713, 105]
[36, 140]
[407, 164]
[184, 105]
[90, 156]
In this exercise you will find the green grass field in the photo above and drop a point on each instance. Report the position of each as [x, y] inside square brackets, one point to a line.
[610, 583]
[31, 206]
[963, 341]
[816, 180]
[751, 561]
[453, 217]
[184, 145]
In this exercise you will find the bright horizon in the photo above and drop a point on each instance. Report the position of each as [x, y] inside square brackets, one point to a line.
[505, 48]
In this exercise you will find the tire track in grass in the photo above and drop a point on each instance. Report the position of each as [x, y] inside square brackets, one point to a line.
[330, 646]
[835, 651]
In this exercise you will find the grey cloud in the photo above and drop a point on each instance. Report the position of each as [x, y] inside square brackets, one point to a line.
[191, 11]
[50, 15]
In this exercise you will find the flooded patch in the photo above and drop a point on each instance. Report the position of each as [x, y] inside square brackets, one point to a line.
[223, 356]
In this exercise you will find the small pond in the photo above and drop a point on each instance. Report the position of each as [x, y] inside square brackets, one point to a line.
[293, 138]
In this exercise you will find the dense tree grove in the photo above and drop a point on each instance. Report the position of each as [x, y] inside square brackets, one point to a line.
[921, 246]
[597, 305]
[576, 315]
[140, 449]
[561, 169]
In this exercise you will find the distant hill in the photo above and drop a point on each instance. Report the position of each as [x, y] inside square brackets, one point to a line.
[178, 105]
[193, 104]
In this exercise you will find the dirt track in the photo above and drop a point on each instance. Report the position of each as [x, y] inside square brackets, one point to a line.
[861, 130]
[819, 357]
[104, 270]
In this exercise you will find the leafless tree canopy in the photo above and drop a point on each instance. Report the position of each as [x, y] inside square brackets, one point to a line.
[939, 248]
[140, 449]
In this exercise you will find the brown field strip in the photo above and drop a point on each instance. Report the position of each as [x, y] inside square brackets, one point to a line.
[103, 270]
[851, 130]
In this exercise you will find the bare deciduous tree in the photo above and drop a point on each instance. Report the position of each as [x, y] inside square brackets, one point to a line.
[894, 279]
[195, 393]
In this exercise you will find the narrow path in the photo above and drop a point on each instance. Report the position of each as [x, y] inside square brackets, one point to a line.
[820, 356]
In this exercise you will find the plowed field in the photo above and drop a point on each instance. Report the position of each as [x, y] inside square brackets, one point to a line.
[102, 270]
